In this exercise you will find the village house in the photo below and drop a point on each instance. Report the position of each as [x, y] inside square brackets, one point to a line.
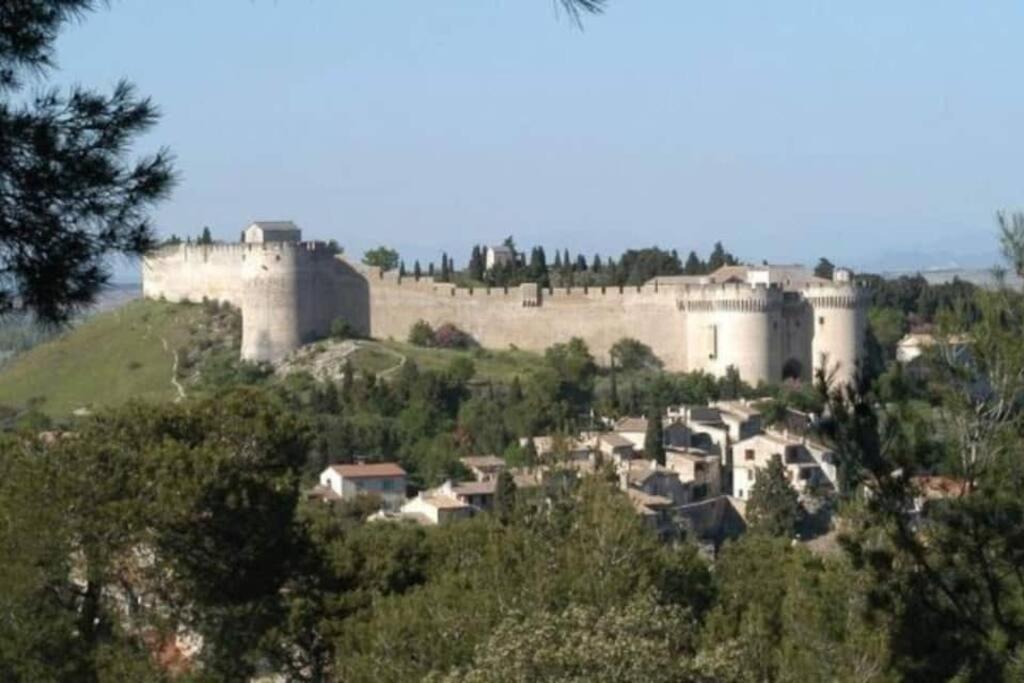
[654, 510]
[701, 469]
[558, 447]
[741, 417]
[386, 480]
[634, 429]
[476, 494]
[484, 467]
[436, 508]
[705, 428]
[615, 447]
[808, 464]
[654, 479]
[674, 433]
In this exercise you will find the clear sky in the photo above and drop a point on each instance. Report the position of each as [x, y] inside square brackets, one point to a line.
[873, 132]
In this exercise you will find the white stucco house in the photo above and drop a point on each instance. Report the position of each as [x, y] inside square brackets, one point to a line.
[384, 479]
[807, 463]
[436, 508]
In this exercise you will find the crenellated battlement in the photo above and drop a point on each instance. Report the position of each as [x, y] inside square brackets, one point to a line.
[290, 292]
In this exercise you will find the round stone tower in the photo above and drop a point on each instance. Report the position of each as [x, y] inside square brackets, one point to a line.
[274, 278]
[735, 324]
[839, 318]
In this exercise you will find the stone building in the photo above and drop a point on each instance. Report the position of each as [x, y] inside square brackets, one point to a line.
[767, 322]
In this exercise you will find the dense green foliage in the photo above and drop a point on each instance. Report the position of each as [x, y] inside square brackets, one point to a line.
[70, 196]
[773, 507]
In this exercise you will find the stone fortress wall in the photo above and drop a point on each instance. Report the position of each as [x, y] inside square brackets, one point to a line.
[765, 322]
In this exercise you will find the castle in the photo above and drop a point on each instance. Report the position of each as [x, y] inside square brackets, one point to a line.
[769, 322]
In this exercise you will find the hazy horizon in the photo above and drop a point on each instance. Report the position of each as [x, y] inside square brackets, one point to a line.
[879, 136]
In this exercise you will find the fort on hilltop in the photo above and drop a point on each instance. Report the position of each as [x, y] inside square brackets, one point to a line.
[769, 322]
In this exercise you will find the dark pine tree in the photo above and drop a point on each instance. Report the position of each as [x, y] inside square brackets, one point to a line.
[694, 266]
[70, 194]
[505, 497]
[596, 266]
[476, 263]
[774, 506]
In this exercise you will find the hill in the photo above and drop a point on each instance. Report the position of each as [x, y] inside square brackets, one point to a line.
[326, 359]
[161, 351]
[144, 349]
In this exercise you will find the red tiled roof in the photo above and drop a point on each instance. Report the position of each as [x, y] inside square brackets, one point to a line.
[369, 470]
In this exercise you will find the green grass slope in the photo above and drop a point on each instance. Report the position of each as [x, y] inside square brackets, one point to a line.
[110, 358]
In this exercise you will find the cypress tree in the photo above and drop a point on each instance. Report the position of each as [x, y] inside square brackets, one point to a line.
[430, 269]
[654, 439]
[596, 267]
[505, 497]
[558, 260]
[416, 271]
[401, 269]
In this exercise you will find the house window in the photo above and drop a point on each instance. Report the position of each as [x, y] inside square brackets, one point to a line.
[739, 493]
[699, 468]
[821, 320]
[748, 454]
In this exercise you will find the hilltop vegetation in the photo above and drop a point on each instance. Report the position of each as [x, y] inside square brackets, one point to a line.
[119, 355]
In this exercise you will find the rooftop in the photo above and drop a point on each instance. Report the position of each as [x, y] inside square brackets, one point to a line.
[631, 424]
[742, 409]
[483, 462]
[282, 226]
[474, 488]
[645, 502]
[616, 440]
[379, 470]
[442, 501]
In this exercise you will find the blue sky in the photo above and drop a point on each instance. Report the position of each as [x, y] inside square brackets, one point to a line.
[876, 133]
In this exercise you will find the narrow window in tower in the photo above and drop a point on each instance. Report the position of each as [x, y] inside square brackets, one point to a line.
[821, 320]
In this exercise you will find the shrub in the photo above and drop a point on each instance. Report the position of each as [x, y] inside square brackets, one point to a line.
[448, 336]
[421, 334]
[342, 329]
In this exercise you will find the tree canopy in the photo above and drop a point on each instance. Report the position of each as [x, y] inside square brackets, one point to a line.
[70, 196]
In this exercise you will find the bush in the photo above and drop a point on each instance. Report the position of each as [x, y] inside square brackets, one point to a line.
[342, 329]
[421, 334]
[448, 336]
[631, 354]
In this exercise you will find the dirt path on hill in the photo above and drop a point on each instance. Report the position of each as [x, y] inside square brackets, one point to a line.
[174, 371]
[402, 359]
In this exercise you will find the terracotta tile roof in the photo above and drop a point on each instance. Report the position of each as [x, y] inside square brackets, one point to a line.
[378, 470]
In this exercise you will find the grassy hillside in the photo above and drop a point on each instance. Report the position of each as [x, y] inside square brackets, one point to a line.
[160, 351]
[114, 356]
[383, 358]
